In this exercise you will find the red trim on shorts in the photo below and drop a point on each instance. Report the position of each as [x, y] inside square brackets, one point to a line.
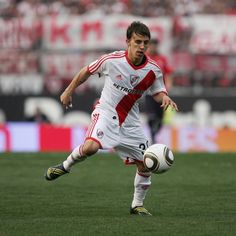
[139, 161]
[95, 140]
[92, 125]
[128, 162]
[97, 101]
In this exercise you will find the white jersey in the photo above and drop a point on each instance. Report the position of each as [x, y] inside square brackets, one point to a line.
[125, 84]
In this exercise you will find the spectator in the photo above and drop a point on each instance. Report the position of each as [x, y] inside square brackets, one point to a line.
[154, 110]
[38, 117]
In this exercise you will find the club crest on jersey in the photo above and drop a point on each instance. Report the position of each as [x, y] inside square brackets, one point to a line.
[119, 77]
[134, 79]
[100, 133]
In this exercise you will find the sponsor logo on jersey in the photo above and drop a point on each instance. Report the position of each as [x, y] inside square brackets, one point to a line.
[132, 91]
[100, 133]
[134, 79]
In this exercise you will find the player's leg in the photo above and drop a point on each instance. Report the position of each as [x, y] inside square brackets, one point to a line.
[134, 143]
[102, 133]
[142, 182]
[89, 148]
[79, 154]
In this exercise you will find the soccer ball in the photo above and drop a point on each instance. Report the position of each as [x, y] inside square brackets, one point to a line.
[158, 158]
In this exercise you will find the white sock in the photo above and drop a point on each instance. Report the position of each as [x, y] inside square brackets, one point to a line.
[142, 183]
[76, 156]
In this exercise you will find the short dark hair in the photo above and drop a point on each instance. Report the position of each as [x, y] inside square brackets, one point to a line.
[138, 28]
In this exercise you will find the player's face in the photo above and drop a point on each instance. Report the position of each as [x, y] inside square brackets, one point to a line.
[137, 46]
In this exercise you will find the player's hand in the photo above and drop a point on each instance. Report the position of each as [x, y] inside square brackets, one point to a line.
[167, 101]
[66, 100]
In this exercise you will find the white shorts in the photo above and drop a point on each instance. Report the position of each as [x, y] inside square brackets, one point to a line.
[129, 142]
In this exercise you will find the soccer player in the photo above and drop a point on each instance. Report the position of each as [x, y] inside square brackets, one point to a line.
[154, 110]
[128, 75]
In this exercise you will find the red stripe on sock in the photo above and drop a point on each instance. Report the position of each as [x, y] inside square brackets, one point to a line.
[81, 153]
[143, 175]
[73, 158]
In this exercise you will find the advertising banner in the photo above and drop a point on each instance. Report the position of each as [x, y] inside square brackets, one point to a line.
[21, 84]
[87, 32]
[32, 137]
[208, 33]
[91, 32]
[196, 139]
[213, 34]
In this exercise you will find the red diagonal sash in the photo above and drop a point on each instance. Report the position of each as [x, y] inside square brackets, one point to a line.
[127, 102]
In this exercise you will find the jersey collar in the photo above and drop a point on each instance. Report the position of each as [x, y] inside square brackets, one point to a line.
[132, 65]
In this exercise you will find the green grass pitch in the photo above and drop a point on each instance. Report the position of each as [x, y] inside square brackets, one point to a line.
[196, 197]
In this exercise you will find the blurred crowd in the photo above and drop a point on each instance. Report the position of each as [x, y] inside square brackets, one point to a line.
[181, 32]
[205, 79]
[148, 8]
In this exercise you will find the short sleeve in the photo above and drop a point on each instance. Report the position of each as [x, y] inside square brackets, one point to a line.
[158, 85]
[97, 66]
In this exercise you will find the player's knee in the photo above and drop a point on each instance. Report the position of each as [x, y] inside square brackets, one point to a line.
[90, 147]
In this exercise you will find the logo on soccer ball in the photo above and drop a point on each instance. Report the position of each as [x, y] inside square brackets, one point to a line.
[158, 158]
[100, 133]
[134, 79]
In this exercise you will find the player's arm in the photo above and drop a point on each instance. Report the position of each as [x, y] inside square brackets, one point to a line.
[80, 78]
[168, 81]
[165, 101]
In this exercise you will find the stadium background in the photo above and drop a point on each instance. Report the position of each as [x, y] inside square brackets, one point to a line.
[44, 43]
